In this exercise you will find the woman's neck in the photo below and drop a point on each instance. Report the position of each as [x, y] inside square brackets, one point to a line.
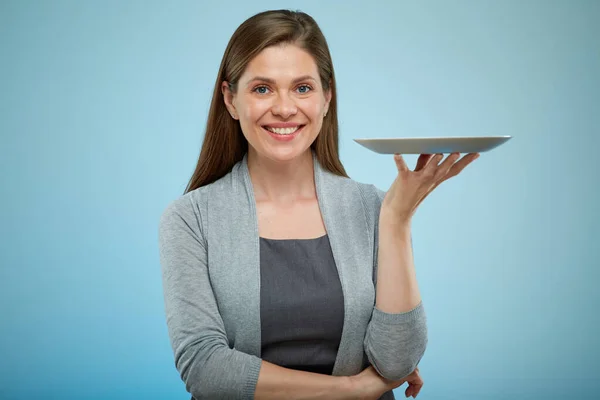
[282, 182]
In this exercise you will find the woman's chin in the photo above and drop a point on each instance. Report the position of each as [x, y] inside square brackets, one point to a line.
[284, 153]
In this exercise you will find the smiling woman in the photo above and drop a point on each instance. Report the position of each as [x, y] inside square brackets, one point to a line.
[270, 257]
[276, 72]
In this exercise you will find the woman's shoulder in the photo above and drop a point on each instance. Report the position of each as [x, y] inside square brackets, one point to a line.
[372, 198]
[182, 213]
[190, 208]
[368, 192]
[372, 192]
[186, 210]
[195, 200]
[343, 183]
[359, 196]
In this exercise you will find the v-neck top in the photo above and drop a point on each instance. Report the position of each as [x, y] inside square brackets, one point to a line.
[301, 304]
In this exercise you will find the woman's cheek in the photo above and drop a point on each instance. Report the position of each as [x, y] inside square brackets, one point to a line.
[258, 108]
[313, 108]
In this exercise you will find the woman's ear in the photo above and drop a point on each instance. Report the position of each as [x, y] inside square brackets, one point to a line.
[328, 95]
[228, 97]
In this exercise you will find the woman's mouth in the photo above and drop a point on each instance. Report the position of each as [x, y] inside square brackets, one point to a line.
[284, 134]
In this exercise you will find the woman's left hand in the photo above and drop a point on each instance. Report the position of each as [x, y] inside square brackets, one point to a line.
[410, 188]
[415, 384]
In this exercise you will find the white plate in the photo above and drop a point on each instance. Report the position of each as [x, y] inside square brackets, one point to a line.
[433, 145]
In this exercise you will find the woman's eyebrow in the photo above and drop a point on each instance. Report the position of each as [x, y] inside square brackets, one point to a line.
[272, 81]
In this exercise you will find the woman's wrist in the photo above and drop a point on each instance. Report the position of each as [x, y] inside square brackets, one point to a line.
[391, 221]
[350, 386]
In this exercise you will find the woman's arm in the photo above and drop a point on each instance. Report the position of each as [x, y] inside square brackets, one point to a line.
[275, 383]
[397, 288]
[207, 365]
[282, 383]
[397, 333]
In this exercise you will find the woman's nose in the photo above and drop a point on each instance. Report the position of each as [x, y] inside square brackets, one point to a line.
[284, 106]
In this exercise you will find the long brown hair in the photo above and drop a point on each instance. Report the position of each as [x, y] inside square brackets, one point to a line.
[224, 144]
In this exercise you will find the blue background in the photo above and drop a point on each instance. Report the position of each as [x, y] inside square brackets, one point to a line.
[102, 111]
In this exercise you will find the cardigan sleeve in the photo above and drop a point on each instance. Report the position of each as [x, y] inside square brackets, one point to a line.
[394, 343]
[207, 365]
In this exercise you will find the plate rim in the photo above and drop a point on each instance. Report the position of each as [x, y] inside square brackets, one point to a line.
[439, 137]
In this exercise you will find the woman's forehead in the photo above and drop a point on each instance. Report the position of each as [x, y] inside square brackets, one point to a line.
[281, 64]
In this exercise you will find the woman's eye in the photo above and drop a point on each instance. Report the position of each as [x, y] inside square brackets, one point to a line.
[302, 89]
[261, 90]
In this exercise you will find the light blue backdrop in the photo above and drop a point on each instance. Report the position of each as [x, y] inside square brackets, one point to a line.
[102, 110]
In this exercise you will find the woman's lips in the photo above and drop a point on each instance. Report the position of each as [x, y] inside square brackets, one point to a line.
[283, 133]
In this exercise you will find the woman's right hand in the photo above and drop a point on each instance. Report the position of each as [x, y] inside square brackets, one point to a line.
[369, 385]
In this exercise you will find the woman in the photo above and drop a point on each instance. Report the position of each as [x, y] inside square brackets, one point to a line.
[283, 278]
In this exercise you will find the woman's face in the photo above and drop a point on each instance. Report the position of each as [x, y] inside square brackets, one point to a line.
[280, 102]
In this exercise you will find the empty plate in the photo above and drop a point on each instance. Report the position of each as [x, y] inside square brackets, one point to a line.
[433, 145]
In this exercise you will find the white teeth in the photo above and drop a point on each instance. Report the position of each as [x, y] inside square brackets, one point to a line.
[283, 131]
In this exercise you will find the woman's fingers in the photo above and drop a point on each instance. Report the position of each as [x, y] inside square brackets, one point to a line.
[400, 163]
[417, 389]
[450, 167]
[432, 162]
[415, 383]
[448, 163]
[413, 389]
[422, 161]
[429, 170]
[461, 164]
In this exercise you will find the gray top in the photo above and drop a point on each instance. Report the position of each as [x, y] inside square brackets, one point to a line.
[210, 257]
[301, 304]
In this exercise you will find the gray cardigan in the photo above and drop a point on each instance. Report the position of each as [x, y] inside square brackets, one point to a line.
[209, 253]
